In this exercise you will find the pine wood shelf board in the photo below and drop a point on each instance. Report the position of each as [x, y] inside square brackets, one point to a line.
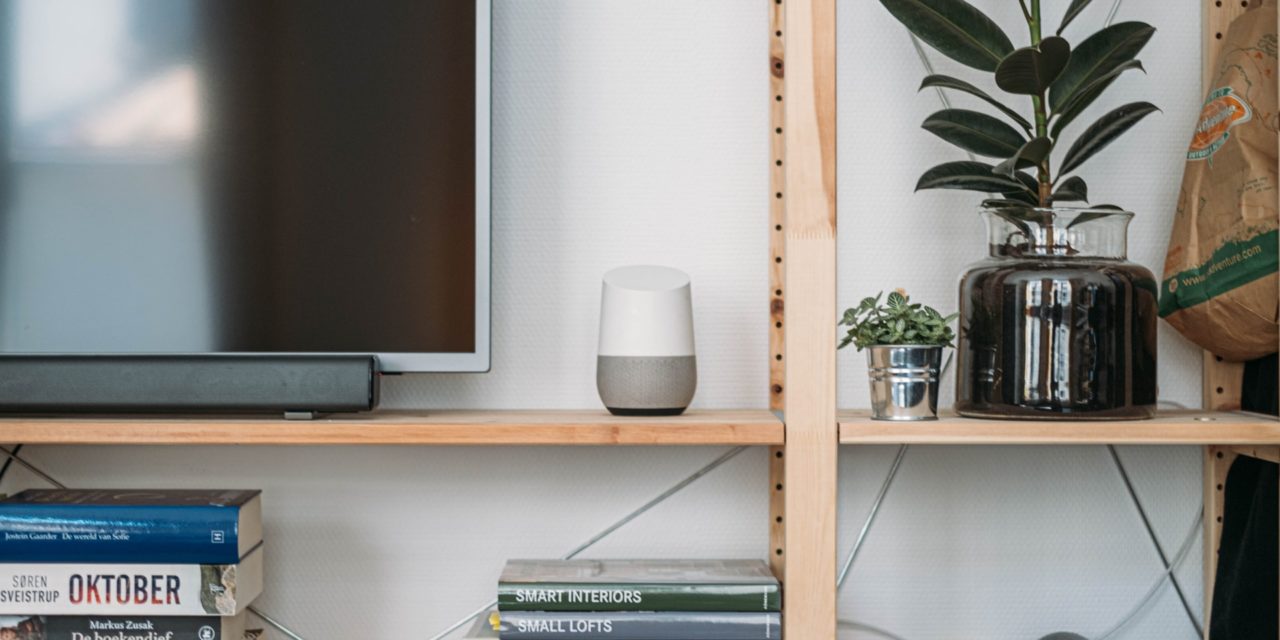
[1171, 427]
[699, 427]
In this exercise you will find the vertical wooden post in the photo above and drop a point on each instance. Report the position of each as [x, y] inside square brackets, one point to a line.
[777, 269]
[809, 164]
[1221, 382]
[1217, 462]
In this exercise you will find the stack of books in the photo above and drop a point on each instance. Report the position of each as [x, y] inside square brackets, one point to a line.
[129, 564]
[638, 600]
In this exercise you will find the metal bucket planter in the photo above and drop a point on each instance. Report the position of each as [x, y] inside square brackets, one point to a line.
[904, 381]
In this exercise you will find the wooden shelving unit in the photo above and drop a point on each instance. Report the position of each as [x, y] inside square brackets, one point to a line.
[805, 433]
[1174, 428]
[410, 428]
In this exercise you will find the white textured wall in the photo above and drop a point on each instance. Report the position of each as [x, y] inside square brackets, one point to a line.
[630, 131]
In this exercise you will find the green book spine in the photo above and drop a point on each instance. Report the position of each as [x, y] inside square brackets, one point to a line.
[556, 596]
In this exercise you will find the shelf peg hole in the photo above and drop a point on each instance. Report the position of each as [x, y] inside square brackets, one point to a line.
[778, 519]
[778, 551]
[1220, 389]
[777, 454]
[1219, 455]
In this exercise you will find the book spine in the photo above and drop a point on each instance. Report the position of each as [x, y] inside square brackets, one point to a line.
[551, 596]
[621, 625]
[118, 589]
[135, 628]
[90, 533]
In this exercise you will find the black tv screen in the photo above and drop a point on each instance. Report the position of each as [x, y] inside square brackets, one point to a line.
[246, 176]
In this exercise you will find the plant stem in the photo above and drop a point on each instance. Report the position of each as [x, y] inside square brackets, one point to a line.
[1042, 116]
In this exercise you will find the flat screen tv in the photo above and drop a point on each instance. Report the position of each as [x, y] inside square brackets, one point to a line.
[245, 178]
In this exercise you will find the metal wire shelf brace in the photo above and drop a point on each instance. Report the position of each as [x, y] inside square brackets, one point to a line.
[574, 552]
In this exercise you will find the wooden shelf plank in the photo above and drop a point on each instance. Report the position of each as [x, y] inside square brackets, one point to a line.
[1173, 427]
[732, 427]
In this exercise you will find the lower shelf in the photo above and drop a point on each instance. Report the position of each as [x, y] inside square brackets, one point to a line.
[1171, 427]
[729, 427]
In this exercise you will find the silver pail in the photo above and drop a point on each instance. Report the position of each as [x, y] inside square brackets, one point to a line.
[904, 381]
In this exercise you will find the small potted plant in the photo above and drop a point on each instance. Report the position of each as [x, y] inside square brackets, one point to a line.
[904, 343]
[1056, 323]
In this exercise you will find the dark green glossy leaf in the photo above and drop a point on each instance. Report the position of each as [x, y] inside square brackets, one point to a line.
[1072, 11]
[1022, 198]
[1097, 56]
[1086, 96]
[967, 175]
[955, 28]
[1072, 189]
[975, 132]
[1031, 154]
[1093, 215]
[1030, 71]
[948, 82]
[996, 203]
[1029, 182]
[1104, 132]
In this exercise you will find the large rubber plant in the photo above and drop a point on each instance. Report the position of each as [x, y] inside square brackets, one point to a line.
[1057, 81]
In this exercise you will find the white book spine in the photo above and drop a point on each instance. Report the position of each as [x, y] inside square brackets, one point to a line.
[130, 589]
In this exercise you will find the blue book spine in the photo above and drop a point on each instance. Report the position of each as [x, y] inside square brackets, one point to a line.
[187, 534]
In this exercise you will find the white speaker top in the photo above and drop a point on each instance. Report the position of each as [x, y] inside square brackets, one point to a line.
[646, 311]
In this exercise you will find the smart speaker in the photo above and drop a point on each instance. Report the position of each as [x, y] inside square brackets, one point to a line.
[646, 364]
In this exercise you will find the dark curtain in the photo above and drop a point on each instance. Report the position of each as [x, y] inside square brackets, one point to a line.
[1245, 592]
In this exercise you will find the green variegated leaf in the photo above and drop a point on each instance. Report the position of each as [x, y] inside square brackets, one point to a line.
[1086, 96]
[975, 132]
[1031, 70]
[1104, 132]
[1072, 189]
[948, 82]
[1072, 11]
[1031, 154]
[967, 175]
[1097, 56]
[955, 28]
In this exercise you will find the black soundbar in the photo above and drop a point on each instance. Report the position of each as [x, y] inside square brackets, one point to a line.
[188, 384]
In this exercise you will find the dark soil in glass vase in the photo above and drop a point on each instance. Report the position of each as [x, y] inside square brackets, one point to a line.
[1056, 323]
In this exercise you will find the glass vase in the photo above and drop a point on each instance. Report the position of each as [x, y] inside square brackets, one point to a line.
[1056, 322]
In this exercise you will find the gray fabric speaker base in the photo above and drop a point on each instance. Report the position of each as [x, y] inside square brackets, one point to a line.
[634, 384]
